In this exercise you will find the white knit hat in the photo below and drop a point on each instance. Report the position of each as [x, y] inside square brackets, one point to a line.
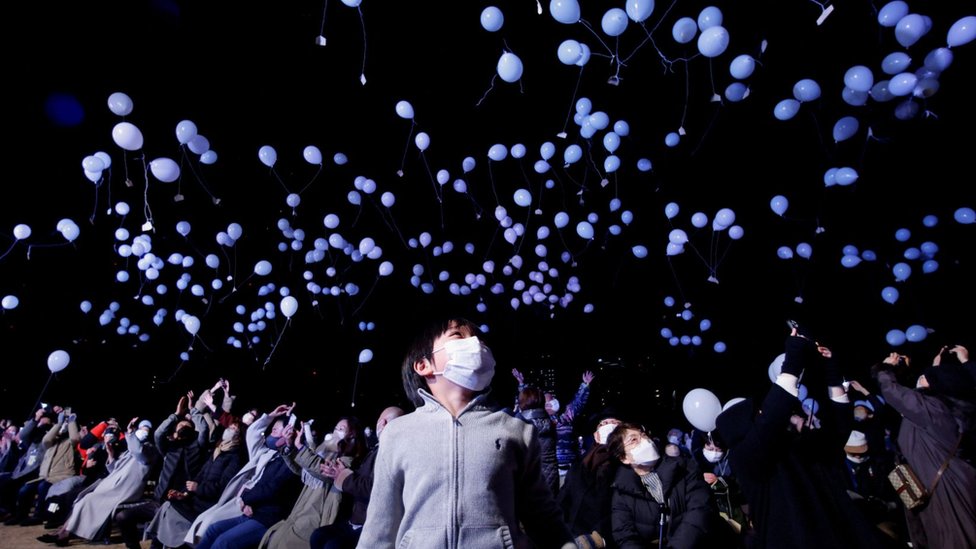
[857, 443]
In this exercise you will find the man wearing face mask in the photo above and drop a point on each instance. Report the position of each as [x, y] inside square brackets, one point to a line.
[449, 474]
[659, 500]
[182, 448]
[356, 483]
[31, 446]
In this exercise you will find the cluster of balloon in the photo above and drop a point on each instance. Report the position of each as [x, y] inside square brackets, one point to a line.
[723, 220]
[701, 408]
[914, 333]
[687, 332]
[590, 122]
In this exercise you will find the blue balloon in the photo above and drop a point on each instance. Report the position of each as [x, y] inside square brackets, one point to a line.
[585, 230]
[779, 204]
[929, 249]
[674, 341]
[684, 30]
[492, 19]
[509, 67]
[572, 154]
[611, 141]
[713, 41]
[845, 176]
[621, 128]
[719, 347]
[668, 301]
[901, 271]
[965, 216]
[850, 249]
[912, 253]
[704, 325]
[930, 221]
[869, 255]
[560, 220]
[626, 217]
[895, 337]
[896, 62]
[891, 13]
[854, 98]
[584, 106]
[639, 10]
[784, 252]
[806, 90]
[709, 17]
[611, 163]
[736, 91]
[915, 333]
[640, 252]
[614, 22]
[498, 152]
[547, 150]
[845, 128]
[850, 261]
[910, 29]
[666, 333]
[565, 11]
[938, 59]
[859, 78]
[569, 52]
[804, 250]
[671, 210]
[672, 139]
[890, 294]
[786, 109]
[902, 84]
[742, 67]
[902, 235]
[930, 266]
[644, 164]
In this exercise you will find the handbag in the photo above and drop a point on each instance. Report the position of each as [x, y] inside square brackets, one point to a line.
[910, 489]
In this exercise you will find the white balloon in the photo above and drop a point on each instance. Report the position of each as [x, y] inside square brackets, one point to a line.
[404, 110]
[10, 302]
[120, 104]
[268, 155]
[165, 169]
[289, 305]
[312, 155]
[365, 356]
[57, 361]
[22, 231]
[127, 136]
[185, 131]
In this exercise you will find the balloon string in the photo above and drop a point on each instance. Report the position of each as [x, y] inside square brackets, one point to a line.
[199, 178]
[369, 293]
[596, 35]
[275, 346]
[362, 22]
[278, 177]
[355, 382]
[491, 177]
[146, 210]
[95, 206]
[491, 86]
[325, 6]
[406, 147]
[314, 177]
[41, 396]
[572, 102]
[14, 243]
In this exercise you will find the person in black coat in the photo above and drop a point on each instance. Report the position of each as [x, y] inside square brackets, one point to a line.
[658, 501]
[586, 495]
[792, 475]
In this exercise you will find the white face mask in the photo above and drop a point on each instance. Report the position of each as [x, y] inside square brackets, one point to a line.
[142, 435]
[644, 453]
[470, 364]
[338, 435]
[603, 433]
[228, 435]
[248, 418]
[553, 406]
[857, 458]
[712, 456]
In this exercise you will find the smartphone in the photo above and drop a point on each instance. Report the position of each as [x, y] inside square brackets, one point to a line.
[292, 418]
[792, 325]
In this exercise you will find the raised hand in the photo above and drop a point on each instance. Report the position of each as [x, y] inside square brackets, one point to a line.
[588, 377]
[281, 410]
[518, 376]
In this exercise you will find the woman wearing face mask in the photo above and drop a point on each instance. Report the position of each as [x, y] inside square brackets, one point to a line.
[448, 475]
[319, 502]
[713, 461]
[659, 500]
[173, 519]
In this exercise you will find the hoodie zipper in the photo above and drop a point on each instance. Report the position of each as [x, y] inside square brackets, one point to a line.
[455, 482]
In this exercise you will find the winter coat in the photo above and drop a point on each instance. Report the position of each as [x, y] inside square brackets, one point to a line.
[586, 496]
[545, 429]
[690, 512]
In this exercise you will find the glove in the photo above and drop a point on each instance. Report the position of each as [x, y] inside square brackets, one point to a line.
[832, 373]
[799, 355]
[590, 541]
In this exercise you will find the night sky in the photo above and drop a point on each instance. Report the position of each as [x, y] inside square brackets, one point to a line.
[254, 76]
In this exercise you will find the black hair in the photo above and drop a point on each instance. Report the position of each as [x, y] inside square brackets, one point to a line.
[615, 442]
[421, 348]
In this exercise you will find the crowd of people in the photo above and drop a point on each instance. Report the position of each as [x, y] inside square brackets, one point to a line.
[463, 471]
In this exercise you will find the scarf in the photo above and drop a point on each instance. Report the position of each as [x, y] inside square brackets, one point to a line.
[226, 446]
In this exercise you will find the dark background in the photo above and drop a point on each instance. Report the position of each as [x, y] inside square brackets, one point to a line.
[251, 75]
